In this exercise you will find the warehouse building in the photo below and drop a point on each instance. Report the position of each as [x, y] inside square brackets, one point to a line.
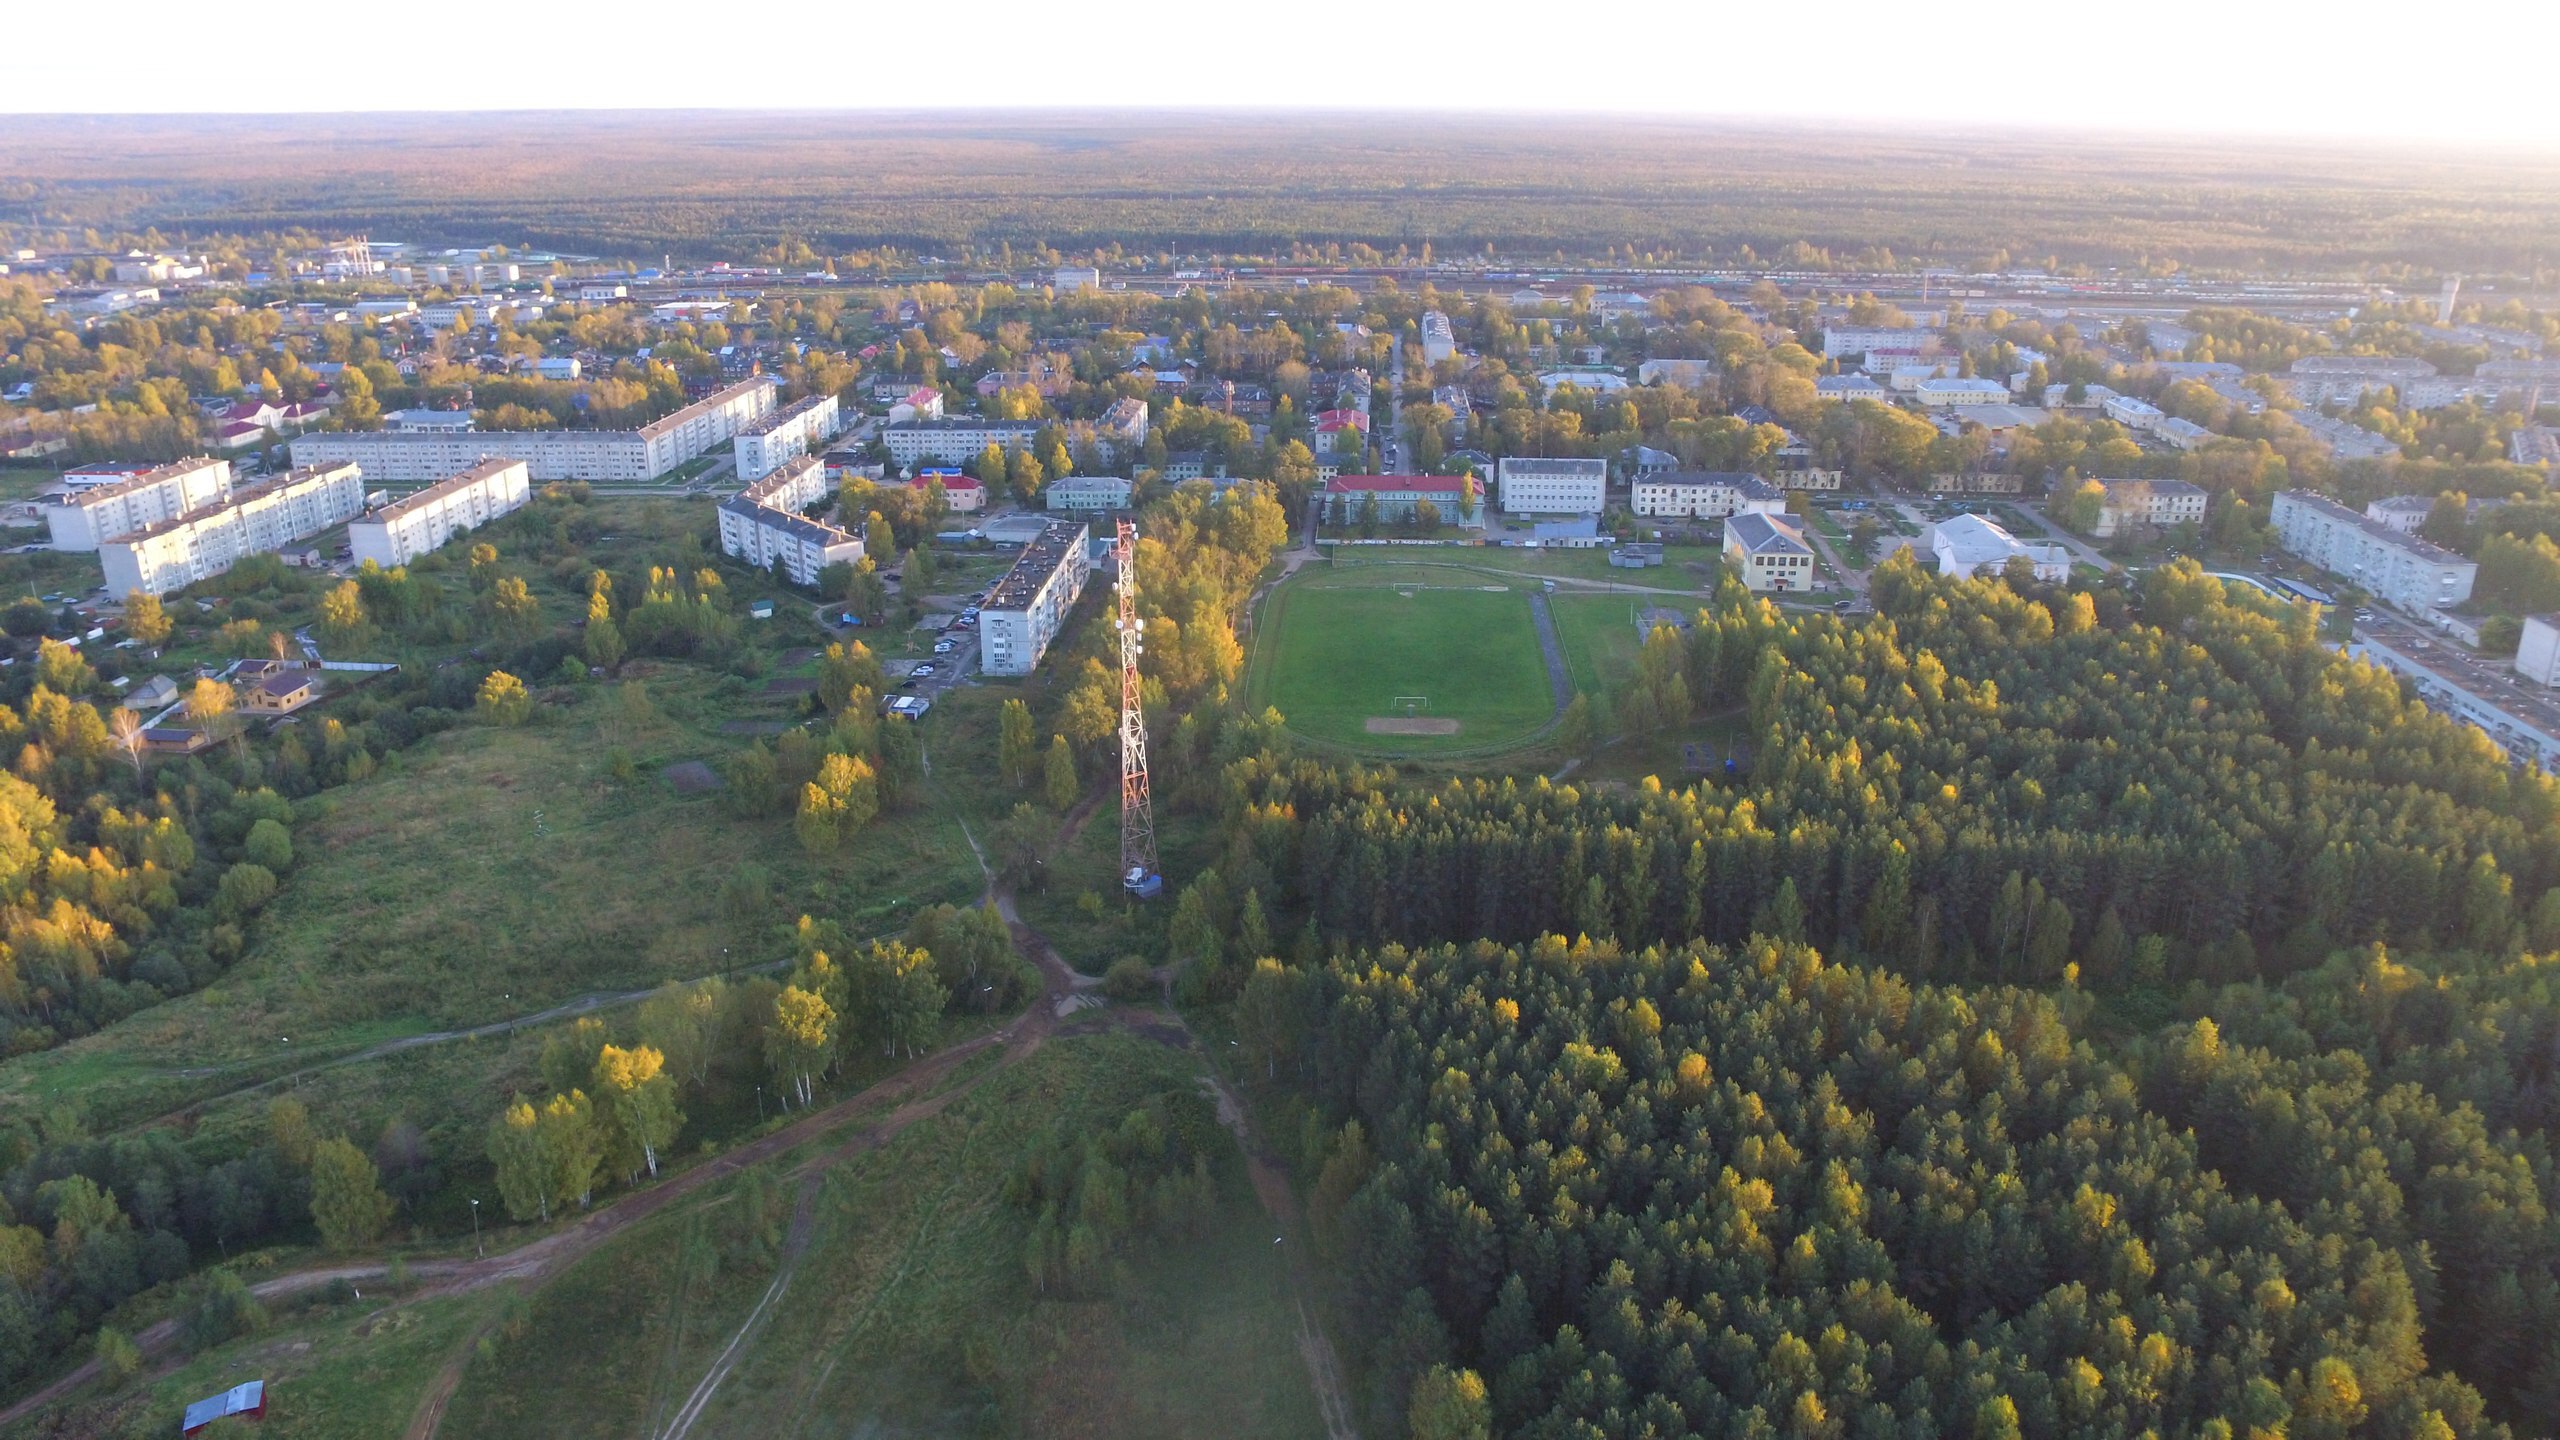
[204, 543]
[1029, 606]
[763, 524]
[419, 524]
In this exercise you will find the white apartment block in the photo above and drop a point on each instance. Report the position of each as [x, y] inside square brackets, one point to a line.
[2164, 503]
[1123, 426]
[1843, 340]
[762, 524]
[1706, 495]
[91, 517]
[1086, 492]
[1673, 370]
[1029, 606]
[610, 456]
[1942, 392]
[1439, 342]
[2132, 412]
[2538, 653]
[954, 442]
[419, 524]
[1530, 486]
[204, 543]
[786, 434]
[2342, 379]
[2400, 570]
[1068, 279]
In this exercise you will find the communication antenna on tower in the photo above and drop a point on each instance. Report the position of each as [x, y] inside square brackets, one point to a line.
[1138, 873]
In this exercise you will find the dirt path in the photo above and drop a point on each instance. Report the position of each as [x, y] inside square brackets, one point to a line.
[1559, 683]
[920, 1094]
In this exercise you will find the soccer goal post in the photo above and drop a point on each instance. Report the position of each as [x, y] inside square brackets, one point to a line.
[1413, 705]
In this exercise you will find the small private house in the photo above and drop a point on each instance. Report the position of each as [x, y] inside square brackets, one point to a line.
[156, 693]
[271, 687]
[174, 740]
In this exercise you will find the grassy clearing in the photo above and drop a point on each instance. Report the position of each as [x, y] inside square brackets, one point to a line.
[347, 1370]
[637, 1323]
[1598, 633]
[491, 873]
[913, 1313]
[1337, 654]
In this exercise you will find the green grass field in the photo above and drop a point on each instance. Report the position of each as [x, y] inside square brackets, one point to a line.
[1335, 651]
[913, 1315]
[1684, 567]
[1598, 633]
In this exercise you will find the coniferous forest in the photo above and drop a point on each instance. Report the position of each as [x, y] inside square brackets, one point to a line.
[2096, 1011]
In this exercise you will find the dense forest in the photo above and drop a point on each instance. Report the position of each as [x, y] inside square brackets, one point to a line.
[2183, 1060]
[1686, 191]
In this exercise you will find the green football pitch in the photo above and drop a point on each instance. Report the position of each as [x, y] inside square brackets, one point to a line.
[1424, 664]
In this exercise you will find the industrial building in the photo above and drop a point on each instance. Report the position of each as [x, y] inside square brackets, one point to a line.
[762, 524]
[1528, 485]
[629, 457]
[418, 524]
[91, 516]
[786, 434]
[204, 543]
[1029, 606]
[2397, 569]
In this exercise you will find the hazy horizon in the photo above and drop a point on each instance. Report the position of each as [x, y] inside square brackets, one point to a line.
[2186, 69]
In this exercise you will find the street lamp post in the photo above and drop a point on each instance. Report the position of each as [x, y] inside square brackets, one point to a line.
[477, 1248]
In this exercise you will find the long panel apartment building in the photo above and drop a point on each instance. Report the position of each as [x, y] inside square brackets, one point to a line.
[1029, 606]
[1529, 485]
[2402, 570]
[1706, 495]
[92, 516]
[419, 524]
[628, 457]
[954, 442]
[762, 524]
[786, 434]
[204, 543]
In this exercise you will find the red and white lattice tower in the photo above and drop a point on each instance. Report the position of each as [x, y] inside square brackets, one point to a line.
[1137, 807]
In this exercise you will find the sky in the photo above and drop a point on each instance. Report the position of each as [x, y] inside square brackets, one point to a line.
[2243, 67]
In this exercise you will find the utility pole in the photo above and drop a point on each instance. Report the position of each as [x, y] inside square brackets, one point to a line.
[1137, 807]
